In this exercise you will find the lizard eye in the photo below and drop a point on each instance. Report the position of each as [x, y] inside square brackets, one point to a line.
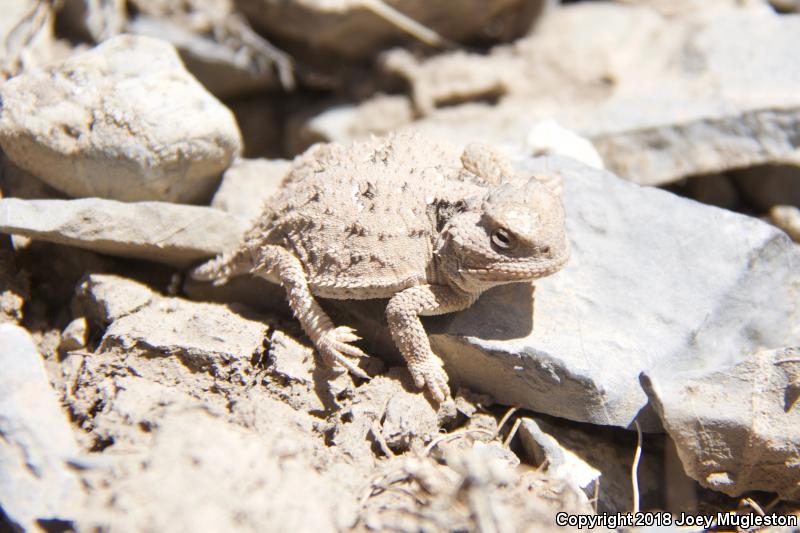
[503, 239]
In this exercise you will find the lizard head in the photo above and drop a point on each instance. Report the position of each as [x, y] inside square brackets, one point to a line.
[515, 233]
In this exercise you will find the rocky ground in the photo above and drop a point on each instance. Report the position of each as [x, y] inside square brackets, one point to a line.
[140, 137]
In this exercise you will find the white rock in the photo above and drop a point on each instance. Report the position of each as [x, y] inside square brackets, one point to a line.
[123, 121]
[548, 137]
[737, 427]
[157, 231]
[247, 184]
[35, 438]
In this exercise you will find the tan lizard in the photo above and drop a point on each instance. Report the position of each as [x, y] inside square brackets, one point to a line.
[402, 217]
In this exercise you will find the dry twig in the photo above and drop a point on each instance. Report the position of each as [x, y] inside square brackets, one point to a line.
[407, 24]
[635, 468]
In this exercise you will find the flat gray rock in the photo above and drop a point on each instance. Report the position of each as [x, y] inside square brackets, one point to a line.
[157, 231]
[737, 427]
[124, 120]
[35, 438]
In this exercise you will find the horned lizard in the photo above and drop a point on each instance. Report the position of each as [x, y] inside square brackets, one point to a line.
[406, 218]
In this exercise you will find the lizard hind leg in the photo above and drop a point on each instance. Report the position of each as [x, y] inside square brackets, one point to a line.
[332, 342]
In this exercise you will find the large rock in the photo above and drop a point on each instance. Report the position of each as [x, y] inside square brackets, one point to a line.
[123, 121]
[698, 287]
[736, 427]
[166, 233]
[36, 485]
[660, 98]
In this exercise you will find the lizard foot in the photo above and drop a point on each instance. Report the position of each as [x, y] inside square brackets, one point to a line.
[335, 348]
[428, 372]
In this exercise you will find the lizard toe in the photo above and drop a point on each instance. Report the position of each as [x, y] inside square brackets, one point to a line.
[437, 385]
[334, 350]
[345, 334]
[430, 374]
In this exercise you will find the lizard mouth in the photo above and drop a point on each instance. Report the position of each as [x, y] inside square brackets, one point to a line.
[518, 270]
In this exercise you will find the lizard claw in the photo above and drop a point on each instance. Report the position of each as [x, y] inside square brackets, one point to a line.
[335, 348]
[430, 374]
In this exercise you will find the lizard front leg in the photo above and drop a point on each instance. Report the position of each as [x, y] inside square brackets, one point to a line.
[403, 313]
[332, 342]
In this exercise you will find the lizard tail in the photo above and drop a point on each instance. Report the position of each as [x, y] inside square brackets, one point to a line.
[224, 267]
